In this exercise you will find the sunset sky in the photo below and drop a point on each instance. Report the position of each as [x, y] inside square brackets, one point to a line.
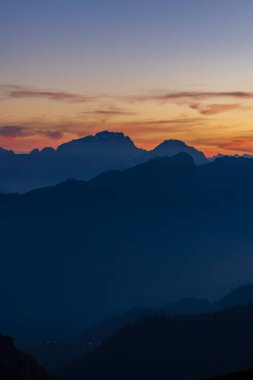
[153, 69]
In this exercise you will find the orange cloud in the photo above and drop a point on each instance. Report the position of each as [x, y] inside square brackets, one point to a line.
[212, 109]
[238, 145]
[111, 111]
[13, 131]
[187, 95]
[169, 121]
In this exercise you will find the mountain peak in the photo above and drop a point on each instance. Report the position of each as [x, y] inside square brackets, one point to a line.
[172, 147]
[6, 151]
[104, 135]
[172, 142]
[102, 140]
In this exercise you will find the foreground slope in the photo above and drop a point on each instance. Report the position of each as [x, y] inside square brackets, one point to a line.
[243, 375]
[172, 348]
[17, 365]
[58, 354]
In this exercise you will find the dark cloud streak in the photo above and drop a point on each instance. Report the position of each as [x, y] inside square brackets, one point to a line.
[19, 92]
[186, 95]
[180, 121]
[14, 131]
[212, 109]
[19, 131]
[112, 111]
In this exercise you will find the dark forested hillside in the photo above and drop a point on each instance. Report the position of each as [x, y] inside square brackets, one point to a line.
[179, 347]
[58, 354]
[17, 365]
[243, 375]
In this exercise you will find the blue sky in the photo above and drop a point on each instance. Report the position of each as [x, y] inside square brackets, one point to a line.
[122, 47]
[180, 43]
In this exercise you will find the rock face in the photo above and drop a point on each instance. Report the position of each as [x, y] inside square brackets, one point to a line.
[17, 365]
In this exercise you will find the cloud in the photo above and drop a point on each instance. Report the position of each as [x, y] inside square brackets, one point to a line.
[14, 131]
[240, 144]
[12, 91]
[19, 92]
[180, 121]
[148, 133]
[212, 109]
[55, 135]
[189, 95]
[111, 111]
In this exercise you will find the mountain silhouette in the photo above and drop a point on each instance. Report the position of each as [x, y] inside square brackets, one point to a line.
[243, 375]
[177, 347]
[142, 237]
[58, 354]
[81, 159]
[103, 143]
[173, 147]
[242, 295]
[17, 365]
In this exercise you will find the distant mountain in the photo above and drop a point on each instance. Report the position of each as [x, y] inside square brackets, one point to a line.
[220, 155]
[242, 295]
[172, 147]
[17, 365]
[157, 175]
[103, 143]
[81, 159]
[4, 153]
[188, 306]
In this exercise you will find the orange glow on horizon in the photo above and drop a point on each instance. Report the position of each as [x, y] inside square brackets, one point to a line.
[216, 125]
[229, 146]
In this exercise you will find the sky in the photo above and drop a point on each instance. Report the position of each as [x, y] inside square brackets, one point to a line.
[153, 69]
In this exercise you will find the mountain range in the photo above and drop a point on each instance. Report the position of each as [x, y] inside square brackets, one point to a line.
[80, 252]
[81, 159]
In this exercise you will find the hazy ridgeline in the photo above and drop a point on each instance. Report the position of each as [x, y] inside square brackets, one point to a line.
[84, 251]
[82, 159]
